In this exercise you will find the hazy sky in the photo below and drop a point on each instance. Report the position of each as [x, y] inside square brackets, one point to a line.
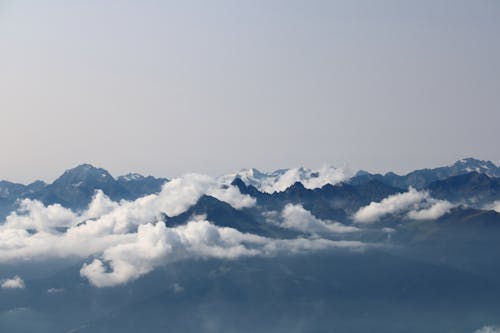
[163, 87]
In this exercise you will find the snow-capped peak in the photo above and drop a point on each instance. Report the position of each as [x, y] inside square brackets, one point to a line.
[131, 177]
[280, 180]
[472, 164]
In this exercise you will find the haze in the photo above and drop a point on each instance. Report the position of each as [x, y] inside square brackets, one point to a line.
[166, 88]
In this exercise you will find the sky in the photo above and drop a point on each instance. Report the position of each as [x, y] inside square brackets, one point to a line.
[165, 88]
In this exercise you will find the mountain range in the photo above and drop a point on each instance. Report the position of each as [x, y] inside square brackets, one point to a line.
[465, 195]
[75, 188]
[468, 181]
[294, 250]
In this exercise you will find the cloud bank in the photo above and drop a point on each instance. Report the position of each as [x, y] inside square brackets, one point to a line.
[155, 245]
[416, 205]
[128, 239]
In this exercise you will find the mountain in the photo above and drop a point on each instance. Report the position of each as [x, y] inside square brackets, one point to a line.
[315, 292]
[272, 266]
[224, 215]
[423, 177]
[280, 180]
[471, 188]
[9, 190]
[138, 185]
[332, 202]
[370, 292]
[75, 188]
[326, 192]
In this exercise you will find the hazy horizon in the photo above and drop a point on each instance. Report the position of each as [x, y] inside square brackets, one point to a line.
[345, 166]
[165, 88]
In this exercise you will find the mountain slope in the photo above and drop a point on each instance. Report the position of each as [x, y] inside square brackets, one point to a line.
[471, 188]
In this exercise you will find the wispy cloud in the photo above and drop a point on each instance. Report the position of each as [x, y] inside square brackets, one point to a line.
[298, 218]
[488, 329]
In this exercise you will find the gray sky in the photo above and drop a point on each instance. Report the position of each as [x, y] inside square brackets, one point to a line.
[164, 88]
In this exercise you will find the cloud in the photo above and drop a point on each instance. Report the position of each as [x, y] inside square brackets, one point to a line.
[34, 215]
[488, 329]
[128, 239]
[14, 283]
[36, 231]
[99, 206]
[417, 205]
[155, 245]
[326, 175]
[177, 288]
[494, 206]
[436, 210]
[298, 218]
[309, 178]
[55, 290]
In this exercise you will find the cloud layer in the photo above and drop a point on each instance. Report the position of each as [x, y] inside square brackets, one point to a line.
[128, 239]
[155, 245]
[416, 205]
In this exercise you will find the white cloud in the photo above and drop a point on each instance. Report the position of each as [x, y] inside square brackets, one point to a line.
[232, 196]
[127, 240]
[488, 329]
[436, 210]
[33, 215]
[298, 218]
[326, 175]
[100, 205]
[155, 245]
[14, 283]
[415, 204]
[36, 231]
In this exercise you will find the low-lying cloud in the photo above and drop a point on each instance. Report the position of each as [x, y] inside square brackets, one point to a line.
[155, 245]
[416, 205]
[129, 239]
[298, 218]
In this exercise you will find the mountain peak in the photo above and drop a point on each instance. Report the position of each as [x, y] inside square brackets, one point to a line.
[473, 161]
[84, 173]
[131, 177]
[85, 166]
[470, 164]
